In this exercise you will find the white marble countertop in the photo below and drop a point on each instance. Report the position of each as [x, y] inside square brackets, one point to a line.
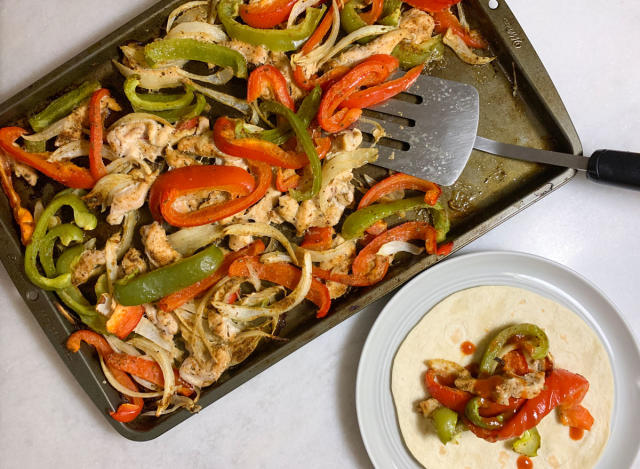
[301, 412]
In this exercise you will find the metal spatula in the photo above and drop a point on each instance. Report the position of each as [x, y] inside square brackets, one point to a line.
[431, 130]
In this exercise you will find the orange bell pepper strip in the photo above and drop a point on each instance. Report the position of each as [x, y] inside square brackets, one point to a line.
[284, 184]
[266, 14]
[21, 215]
[177, 299]
[64, 172]
[445, 19]
[575, 416]
[371, 71]
[380, 93]
[432, 6]
[561, 388]
[284, 274]
[254, 148]
[128, 411]
[374, 13]
[124, 320]
[146, 369]
[268, 77]
[180, 181]
[318, 238]
[96, 165]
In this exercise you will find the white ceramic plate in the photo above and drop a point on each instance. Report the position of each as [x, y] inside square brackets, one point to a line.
[374, 403]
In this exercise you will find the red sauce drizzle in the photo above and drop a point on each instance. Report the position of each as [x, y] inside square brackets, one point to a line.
[576, 433]
[524, 462]
[467, 348]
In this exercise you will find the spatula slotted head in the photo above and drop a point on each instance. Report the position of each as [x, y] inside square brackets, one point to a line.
[429, 130]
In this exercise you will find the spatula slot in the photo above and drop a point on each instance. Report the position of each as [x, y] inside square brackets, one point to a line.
[409, 98]
[387, 142]
[385, 118]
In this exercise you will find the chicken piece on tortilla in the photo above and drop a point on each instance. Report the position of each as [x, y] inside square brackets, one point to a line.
[527, 386]
[156, 245]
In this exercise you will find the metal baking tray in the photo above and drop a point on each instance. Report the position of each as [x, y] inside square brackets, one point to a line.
[518, 104]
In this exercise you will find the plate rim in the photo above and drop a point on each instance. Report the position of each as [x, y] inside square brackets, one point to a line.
[470, 257]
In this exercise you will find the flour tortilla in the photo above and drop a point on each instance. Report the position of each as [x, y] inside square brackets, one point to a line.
[476, 315]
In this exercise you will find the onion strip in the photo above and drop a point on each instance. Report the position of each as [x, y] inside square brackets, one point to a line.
[162, 357]
[371, 30]
[139, 116]
[274, 257]
[320, 52]
[223, 98]
[198, 30]
[181, 9]
[251, 313]
[393, 247]
[78, 148]
[262, 229]
[323, 256]
[122, 389]
[52, 131]
[188, 240]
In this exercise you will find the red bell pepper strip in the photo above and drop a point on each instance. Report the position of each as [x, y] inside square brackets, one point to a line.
[380, 93]
[318, 238]
[371, 71]
[446, 20]
[146, 369]
[374, 13]
[254, 148]
[284, 184]
[432, 6]
[128, 411]
[124, 320]
[269, 77]
[445, 249]
[64, 172]
[177, 299]
[266, 14]
[575, 416]
[21, 215]
[284, 274]
[181, 181]
[96, 165]
[393, 183]
[561, 388]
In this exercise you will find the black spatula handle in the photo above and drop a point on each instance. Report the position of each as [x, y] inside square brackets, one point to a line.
[621, 168]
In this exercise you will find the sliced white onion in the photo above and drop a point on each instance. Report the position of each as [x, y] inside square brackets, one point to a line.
[139, 116]
[262, 229]
[181, 9]
[313, 59]
[121, 388]
[461, 16]
[370, 30]
[152, 79]
[111, 259]
[219, 78]
[128, 230]
[198, 30]
[267, 295]
[52, 131]
[79, 148]
[326, 255]
[463, 51]
[393, 247]
[188, 240]
[340, 163]
[149, 330]
[298, 8]
[275, 257]
[250, 313]
[121, 346]
[163, 359]
[223, 98]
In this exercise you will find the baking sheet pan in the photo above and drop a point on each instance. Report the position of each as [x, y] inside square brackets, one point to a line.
[518, 104]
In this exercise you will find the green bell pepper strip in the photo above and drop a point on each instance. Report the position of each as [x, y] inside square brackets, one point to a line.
[155, 104]
[73, 298]
[306, 112]
[83, 219]
[351, 21]
[101, 285]
[355, 224]
[151, 286]
[445, 422]
[441, 222]
[528, 443]
[304, 139]
[60, 107]
[488, 363]
[472, 412]
[192, 49]
[391, 11]
[67, 233]
[185, 113]
[410, 55]
[277, 40]
[38, 146]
